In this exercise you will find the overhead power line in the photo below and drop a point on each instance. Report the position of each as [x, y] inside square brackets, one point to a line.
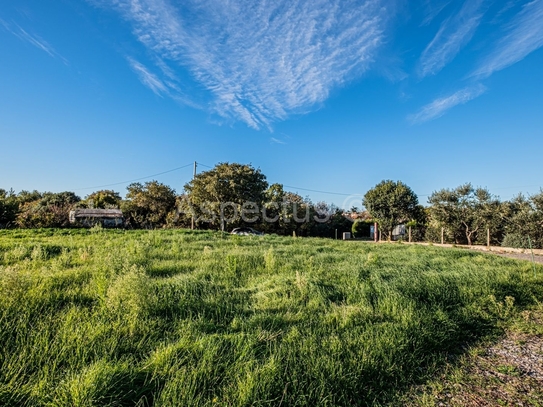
[137, 179]
[285, 186]
[314, 190]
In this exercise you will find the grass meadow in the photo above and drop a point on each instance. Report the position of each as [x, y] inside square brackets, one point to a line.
[180, 318]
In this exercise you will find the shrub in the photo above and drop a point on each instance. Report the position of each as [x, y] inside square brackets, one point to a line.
[361, 228]
[515, 240]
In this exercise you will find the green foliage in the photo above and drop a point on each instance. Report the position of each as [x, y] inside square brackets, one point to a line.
[361, 228]
[466, 212]
[148, 206]
[391, 203]
[231, 183]
[45, 210]
[281, 209]
[177, 318]
[28, 196]
[516, 240]
[103, 199]
[525, 219]
[295, 214]
[9, 206]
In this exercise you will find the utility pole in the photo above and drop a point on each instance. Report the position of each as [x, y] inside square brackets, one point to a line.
[192, 210]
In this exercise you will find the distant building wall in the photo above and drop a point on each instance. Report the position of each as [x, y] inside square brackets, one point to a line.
[109, 218]
[398, 232]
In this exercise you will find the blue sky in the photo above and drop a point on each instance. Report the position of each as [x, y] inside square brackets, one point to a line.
[324, 95]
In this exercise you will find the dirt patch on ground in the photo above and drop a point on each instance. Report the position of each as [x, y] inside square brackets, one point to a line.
[507, 373]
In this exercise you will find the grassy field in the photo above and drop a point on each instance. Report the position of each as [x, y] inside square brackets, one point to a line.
[180, 318]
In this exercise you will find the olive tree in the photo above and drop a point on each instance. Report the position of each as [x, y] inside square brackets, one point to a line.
[466, 212]
[525, 221]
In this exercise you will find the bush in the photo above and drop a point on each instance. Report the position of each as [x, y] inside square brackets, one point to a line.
[361, 228]
[515, 240]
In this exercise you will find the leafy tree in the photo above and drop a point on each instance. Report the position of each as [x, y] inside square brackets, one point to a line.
[47, 210]
[103, 199]
[226, 190]
[9, 206]
[525, 219]
[390, 204]
[336, 221]
[149, 205]
[273, 213]
[466, 211]
[28, 196]
[296, 215]
[286, 213]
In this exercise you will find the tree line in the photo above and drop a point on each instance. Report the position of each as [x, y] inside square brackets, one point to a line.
[234, 195]
[462, 215]
[229, 195]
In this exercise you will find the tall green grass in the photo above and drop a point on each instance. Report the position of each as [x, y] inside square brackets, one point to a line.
[179, 318]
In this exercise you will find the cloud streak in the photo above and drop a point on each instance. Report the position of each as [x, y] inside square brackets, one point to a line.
[433, 8]
[524, 35]
[34, 40]
[454, 33]
[147, 78]
[277, 141]
[259, 62]
[438, 107]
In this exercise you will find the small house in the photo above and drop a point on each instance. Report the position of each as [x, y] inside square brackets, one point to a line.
[108, 218]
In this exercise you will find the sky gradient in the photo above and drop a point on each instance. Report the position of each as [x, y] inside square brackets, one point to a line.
[326, 95]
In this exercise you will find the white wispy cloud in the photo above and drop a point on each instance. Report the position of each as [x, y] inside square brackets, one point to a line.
[433, 9]
[147, 78]
[524, 35]
[439, 106]
[277, 141]
[260, 61]
[34, 40]
[454, 33]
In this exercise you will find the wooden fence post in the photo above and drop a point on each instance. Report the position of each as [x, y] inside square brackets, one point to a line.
[442, 235]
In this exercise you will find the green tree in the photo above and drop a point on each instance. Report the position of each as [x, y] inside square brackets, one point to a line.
[9, 207]
[218, 196]
[103, 199]
[28, 196]
[148, 206]
[390, 204]
[525, 219]
[47, 210]
[273, 220]
[466, 212]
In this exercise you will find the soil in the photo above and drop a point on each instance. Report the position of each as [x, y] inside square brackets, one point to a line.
[507, 373]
